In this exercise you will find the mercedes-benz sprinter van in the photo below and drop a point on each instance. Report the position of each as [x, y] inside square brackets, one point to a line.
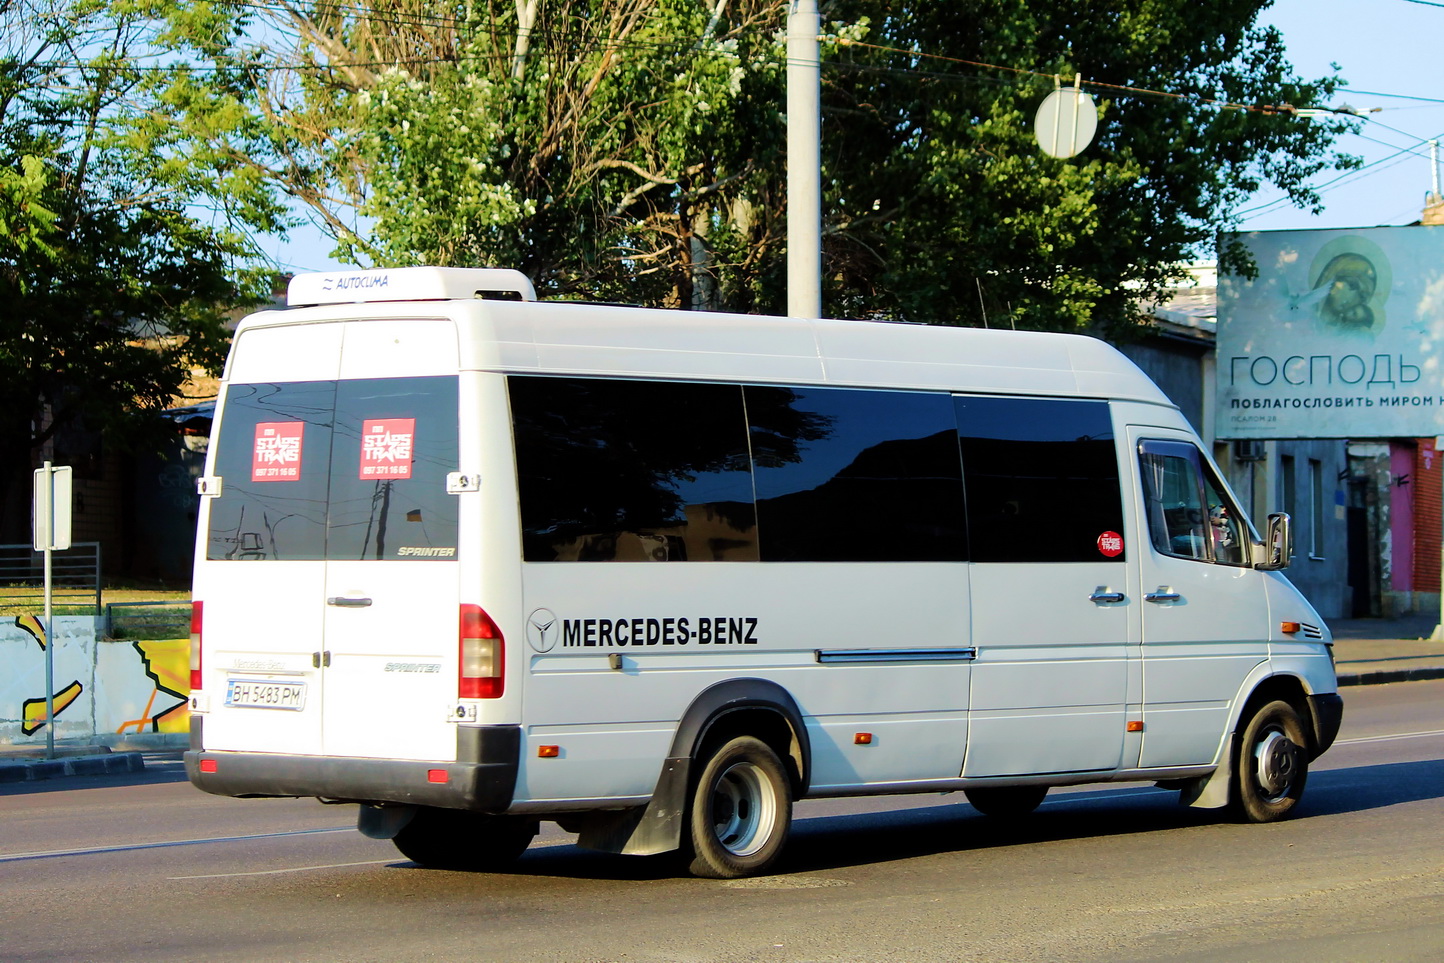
[474, 560]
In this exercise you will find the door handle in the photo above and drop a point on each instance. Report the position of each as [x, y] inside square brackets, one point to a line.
[1163, 594]
[1103, 594]
[348, 602]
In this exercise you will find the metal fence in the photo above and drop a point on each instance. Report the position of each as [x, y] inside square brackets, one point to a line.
[74, 577]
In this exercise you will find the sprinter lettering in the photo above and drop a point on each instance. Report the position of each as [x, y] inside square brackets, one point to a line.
[644, 632]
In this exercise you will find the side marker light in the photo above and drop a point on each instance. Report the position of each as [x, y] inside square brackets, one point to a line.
[438, 775]
[549, 752]
[1290, 628]
[1135, 725]
[862, 739]
[209, 765]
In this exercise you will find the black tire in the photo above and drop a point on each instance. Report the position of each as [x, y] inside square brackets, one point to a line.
[455, 839]
[1271, 764]
[1006, 802]
[740, 812]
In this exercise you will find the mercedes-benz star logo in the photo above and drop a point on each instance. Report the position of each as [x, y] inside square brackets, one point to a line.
[542, 630]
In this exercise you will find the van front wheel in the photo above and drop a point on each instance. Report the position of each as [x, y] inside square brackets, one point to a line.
[741, 811]
[1272, 764]
[455, 839]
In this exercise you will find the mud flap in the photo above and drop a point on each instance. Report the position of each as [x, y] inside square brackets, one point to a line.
[1211, 791]
[644, 830]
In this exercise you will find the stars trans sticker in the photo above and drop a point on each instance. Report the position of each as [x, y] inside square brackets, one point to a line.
[1110, 544]
[386, 447]
[277, 452]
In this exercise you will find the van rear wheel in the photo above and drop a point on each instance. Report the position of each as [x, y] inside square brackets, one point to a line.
[741, 811]
[1272, 764]
[455, 839]
[1006, 802]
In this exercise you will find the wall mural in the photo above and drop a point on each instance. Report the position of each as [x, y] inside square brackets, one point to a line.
[102, 688]
[167, 663]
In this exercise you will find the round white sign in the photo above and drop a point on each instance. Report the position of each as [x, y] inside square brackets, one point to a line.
[1066, 122]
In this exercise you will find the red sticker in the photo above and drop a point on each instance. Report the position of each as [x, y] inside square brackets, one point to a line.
[386, 445]
[277, 454]
[1110, 544]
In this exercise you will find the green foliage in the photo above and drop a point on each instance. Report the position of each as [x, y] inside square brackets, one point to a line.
[953, 213]
[634, 149]
[124, 220]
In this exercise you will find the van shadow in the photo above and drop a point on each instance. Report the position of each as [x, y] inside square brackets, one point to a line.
[823, 843]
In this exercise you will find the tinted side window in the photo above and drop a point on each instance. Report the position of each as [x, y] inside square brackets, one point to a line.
[393, 444]
[273, 457]
[854, 475]
[1041, 478]
[632, 470]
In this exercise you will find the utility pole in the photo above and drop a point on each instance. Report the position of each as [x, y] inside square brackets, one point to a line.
[804, 161]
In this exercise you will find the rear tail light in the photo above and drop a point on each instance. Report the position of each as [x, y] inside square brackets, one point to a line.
[482, 672]
[195, 646]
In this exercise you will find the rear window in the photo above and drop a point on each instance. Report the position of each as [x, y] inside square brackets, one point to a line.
[336, 470]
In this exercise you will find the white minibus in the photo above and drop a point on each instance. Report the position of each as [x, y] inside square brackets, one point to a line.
[473, 560]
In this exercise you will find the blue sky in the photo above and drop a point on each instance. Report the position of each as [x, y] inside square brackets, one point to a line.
[1393, 47]
[1382, 47]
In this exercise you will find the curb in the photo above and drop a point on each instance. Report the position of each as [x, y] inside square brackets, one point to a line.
[1385, 676]
[27, 770]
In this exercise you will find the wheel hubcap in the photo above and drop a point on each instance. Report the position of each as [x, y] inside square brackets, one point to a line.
[743, 810]
[1276, 763]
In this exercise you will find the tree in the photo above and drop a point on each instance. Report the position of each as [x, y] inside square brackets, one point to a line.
[612, 149]
[633, 149]
[123, 239]
[944, 207]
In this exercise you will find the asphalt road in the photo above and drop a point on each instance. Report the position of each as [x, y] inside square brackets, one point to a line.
[142, 867]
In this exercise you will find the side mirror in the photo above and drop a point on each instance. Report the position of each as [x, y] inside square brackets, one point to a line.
[1278, 546]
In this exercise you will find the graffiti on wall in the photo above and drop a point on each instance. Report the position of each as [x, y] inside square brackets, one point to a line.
[167, 663]
[34, 712]
[101, 687]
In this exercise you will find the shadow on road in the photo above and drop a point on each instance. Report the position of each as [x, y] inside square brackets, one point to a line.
[822, 843]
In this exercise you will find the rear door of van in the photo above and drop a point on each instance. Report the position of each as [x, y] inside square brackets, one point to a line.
[329, 581]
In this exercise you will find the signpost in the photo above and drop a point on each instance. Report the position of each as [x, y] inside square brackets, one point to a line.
[51, 526]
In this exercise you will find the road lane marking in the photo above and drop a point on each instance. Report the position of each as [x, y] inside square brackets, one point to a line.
[129, 847]
[294, 869]
[1391, 737]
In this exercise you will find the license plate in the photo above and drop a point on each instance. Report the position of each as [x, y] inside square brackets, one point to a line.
[252, 694]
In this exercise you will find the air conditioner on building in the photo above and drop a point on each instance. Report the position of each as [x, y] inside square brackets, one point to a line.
[1250, 449]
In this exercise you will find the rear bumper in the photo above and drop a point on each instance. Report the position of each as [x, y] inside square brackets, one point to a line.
[482, 778]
